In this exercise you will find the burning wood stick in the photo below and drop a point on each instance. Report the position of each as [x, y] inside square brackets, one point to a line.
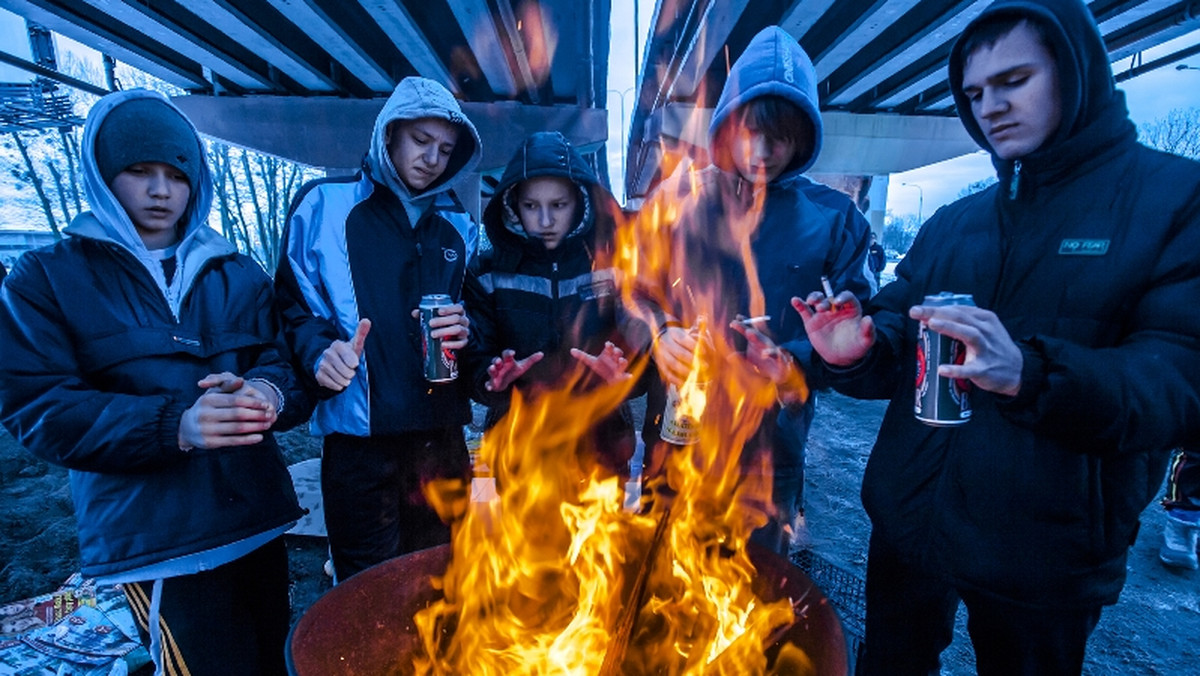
[623, 630]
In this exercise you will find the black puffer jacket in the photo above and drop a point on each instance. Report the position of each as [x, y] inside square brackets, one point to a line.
[1087, 252]
[95, 375]
[526, 298]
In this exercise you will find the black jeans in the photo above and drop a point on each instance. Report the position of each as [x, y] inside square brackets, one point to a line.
[910, 621]
[229, 621]
[371, 488]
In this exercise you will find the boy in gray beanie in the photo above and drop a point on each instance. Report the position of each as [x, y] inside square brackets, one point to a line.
[140, 354]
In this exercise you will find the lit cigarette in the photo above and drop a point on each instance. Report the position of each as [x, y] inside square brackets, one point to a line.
[828, 288]
[750, 321]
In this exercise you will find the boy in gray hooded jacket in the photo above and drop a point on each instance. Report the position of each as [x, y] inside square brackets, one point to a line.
[357, 256]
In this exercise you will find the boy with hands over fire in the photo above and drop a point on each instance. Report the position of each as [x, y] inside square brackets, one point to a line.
[753, 232]
[545, 297]
[1082, 360]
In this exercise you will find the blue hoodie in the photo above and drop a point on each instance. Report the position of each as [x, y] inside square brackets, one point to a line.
[805, 230]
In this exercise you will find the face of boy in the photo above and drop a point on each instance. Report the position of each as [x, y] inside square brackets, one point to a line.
[1013, 89]
[546, 207]
[155, 196]
[760, 159]
[420, 149]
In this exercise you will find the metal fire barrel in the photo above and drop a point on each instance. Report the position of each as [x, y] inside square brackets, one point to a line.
[364, 626]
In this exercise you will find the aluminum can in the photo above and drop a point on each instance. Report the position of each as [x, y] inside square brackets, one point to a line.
[440, 363]
[941, 401]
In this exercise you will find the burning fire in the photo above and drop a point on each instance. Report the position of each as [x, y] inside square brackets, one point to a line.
[553, 576]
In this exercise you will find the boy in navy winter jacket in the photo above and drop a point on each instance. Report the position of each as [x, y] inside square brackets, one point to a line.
[141, 353]
[756, 232]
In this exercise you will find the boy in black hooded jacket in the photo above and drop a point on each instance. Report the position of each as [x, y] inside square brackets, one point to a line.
[1082, 354]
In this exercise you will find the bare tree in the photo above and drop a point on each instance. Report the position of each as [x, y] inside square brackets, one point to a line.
[1178, 132]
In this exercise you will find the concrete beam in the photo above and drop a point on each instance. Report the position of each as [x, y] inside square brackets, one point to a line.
[335, 133]
[853, 144]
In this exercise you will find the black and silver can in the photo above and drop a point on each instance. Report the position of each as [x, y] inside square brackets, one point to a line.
[941, 401]
[441, 365]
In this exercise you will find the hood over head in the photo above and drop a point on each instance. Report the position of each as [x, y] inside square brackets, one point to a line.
[107, 219]
[415, 98]
[773, 64]
[547, 153]
[1085, 78]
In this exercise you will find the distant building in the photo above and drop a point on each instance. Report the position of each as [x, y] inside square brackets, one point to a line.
[13, 243]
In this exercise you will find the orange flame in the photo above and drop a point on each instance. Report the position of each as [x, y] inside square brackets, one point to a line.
[541, 572]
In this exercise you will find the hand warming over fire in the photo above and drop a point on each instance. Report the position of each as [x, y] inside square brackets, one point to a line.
[451, 325]
[506, 368]
[993, 361]
[675, 350]
[229, 413]
[771, 362]
[836, 327]
[339, 361]
[610, 364]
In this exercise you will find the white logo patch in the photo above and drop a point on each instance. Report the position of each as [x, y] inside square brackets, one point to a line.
[450, 255]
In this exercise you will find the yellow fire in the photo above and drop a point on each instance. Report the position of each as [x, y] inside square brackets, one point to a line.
[553, 576]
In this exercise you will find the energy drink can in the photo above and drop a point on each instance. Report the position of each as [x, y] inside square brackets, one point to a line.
[440, 363]
[941, 401]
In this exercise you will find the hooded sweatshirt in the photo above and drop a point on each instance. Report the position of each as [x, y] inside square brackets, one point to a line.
[804, 230]
[1086, 252]
[368, 247]
[101, 359]
[528, 299]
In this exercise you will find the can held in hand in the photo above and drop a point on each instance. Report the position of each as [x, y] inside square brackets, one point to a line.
[440, 363]
[941, 401]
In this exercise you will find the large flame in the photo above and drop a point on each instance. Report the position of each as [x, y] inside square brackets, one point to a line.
[553, 576]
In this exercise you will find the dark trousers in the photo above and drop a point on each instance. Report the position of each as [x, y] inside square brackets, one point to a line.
[229, 621]
[910, 621]
[1183, 480]
[372, 489]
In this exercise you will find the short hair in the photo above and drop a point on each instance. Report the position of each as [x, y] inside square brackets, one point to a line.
[988, 32]
[778, 119]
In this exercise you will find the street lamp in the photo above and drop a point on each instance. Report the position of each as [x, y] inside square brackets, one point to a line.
[920, 200]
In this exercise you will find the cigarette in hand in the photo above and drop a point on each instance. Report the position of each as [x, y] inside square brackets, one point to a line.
[751, 321]
[828, 288]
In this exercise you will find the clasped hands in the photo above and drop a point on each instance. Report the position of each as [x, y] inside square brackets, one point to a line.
[232, 411]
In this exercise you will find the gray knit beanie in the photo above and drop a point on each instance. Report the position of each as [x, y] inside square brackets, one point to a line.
[147, 130]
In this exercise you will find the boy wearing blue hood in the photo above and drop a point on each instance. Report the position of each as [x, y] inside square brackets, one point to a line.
[758, 232]
[141, 353]
[358, 253]
[1081, 353]
[545, 301]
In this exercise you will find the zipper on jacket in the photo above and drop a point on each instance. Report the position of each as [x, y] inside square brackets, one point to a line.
[1014, 184]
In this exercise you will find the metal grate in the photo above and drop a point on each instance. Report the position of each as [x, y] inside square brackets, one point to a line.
[31, 106]
[847, 592]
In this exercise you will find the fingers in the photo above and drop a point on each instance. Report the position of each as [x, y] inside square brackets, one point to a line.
[224, 381]
[219, 420]
[360, 336]
[339, 364]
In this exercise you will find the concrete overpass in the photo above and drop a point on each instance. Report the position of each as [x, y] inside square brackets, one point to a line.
[303, 79]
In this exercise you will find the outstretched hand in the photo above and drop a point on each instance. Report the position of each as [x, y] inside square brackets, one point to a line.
[505, 369]
[836, 327]
[771, 362]
[339, 362]
[610, 364]
[231, 412]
